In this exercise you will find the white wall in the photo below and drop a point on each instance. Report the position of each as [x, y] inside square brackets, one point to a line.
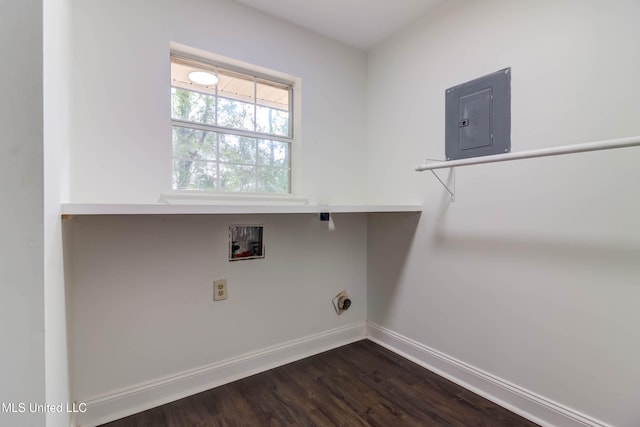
[142, 294]
[21, 231]
[532, 274]
[121, 135]
[56, 97]
[141, 287]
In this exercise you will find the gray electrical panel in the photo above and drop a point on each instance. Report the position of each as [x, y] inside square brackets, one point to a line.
[478, 117]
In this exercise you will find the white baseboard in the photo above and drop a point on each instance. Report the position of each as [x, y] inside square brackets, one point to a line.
[140, 397]
[510, 396]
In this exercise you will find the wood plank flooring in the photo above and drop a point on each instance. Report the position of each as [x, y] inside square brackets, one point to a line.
[360, 384]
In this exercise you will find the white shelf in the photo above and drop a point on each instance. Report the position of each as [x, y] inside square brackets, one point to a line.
[202, 209]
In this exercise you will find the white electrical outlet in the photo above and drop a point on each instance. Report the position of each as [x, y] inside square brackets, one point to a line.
[219, 289]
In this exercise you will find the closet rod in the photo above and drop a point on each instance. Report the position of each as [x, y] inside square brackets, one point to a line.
[543, 152]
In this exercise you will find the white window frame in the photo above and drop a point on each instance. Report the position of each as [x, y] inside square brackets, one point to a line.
[294, 126]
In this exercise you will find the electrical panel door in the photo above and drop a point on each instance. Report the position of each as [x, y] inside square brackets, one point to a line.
[478, 117]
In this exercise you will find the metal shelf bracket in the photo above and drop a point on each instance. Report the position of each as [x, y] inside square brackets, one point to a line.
[451, 188]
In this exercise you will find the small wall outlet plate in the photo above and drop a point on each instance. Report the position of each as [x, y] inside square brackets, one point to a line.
[219, 289]
[341, 302]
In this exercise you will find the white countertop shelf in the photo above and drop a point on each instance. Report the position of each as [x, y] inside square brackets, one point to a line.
[214, 209]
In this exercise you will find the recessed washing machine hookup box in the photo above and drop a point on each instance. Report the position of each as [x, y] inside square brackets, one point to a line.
[478, 117]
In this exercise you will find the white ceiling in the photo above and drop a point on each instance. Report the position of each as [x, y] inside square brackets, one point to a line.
[359, 23]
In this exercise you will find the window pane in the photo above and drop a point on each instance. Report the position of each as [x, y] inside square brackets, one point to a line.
[272, 108]
[237, 149]
[237, 86]
[272, 95]
[272, 121]
[273, 153]
[192, 144]
[194, 175]
[235, 114]
[236, 178]
[273, 180]
[192, 106]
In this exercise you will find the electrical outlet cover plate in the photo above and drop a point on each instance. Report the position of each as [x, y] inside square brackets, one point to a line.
[219, 289]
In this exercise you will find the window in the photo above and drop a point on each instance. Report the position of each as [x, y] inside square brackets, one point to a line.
[231, 132]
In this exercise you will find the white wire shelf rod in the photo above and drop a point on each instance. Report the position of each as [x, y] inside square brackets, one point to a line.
[543, 152]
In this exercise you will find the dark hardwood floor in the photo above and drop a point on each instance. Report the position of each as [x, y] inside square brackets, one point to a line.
[360, 384]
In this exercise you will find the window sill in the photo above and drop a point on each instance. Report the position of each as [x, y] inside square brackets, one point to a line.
[204, 198]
